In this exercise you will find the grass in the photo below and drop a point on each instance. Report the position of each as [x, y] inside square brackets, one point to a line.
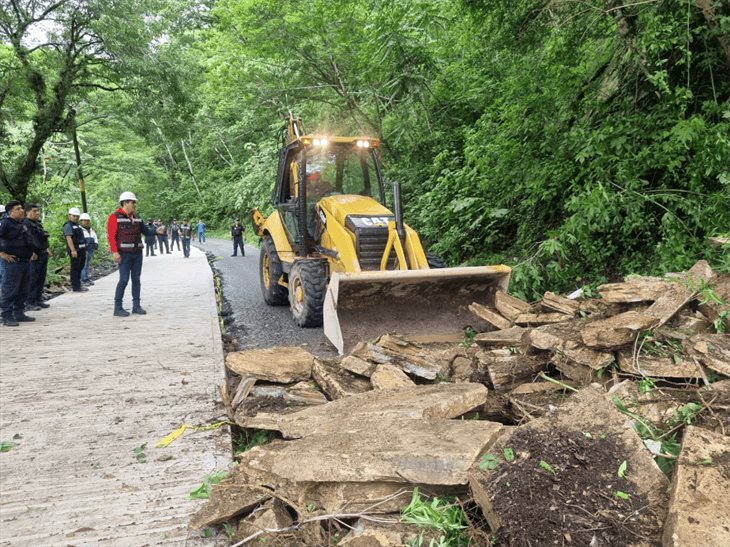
[250, 438]
[440, 514]
[202, 492]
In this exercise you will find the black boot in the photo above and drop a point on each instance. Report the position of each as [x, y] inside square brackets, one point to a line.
[121, 312]
[24, 318]
[10, 322]
[138, 310]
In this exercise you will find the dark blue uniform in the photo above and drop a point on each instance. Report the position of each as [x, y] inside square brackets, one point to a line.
[77, 264]
[237, 235]
[16, 241]
[38, 267]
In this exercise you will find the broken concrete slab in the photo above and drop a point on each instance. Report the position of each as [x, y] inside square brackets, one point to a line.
[658, 367]
[698, 511]
[552, 301]
[372, 450]
[336, 381]
[490, 315]
[227, 500]
[581, 374]
[561, 338]
[530, 401]
[242, 391]
[389, 377]
[506, 372]
[418, 402]
[414, 359]
[265, 404]
[634, 289]
[462, 369]
[283, 365]
[570, 458]
[356, 365]
[509, 306]
[506, 337]
[368, 351]
[537, 319]
[712, 350]
[679, 293]
[615, 331]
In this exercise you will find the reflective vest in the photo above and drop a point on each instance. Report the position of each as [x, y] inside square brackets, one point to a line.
[77, 236]
[129, 233]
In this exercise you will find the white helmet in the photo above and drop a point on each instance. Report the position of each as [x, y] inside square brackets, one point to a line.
[74, 211]
[84, 216]
[2, 208]
[127, 196]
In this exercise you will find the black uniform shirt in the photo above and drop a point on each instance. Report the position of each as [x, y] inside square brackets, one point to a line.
[236, 231]
[15, 238]
[38, 234]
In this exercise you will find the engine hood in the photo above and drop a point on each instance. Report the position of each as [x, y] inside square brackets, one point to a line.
[342, 206]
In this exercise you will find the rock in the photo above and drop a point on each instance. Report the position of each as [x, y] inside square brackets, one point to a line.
[712, 350]
[412, 358]
[634, 289]
[462, 369]
[418, 402]
[581, 375]
[242, 391]
[506, 337]
[437, 452]
[227, 500]
[283, 365]
[370, 352]
[537, 319]
[265, 404]
[357, 365]
[374, 534]
[561, 338]
[271, 516]
[389, 377]
[336, 381]
[698, 511]
[568, 457]
[506, 372]
[552, 301]
[658, 367]
[530, 401]
[678, 294]
[490, 316]
[509, 306]
[615, 331]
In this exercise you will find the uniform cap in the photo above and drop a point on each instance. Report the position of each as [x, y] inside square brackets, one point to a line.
[84, 216]
[74, 211]
[127, 196]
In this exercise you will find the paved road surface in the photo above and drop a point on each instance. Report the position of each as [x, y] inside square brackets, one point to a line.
[256, 323]
[82, 389]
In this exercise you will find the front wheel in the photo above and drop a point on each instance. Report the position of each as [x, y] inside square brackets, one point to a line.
[271, 271]
[307, 287]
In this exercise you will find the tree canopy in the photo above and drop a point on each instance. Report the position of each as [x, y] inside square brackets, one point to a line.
[577, 141]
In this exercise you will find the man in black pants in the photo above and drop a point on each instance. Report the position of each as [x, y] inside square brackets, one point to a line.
[175, 233]
[237, 237]
[76, 248]
[186, 232]
[16, 250]
[39, 266]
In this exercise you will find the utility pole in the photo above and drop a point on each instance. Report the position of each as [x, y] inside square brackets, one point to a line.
[77, 152]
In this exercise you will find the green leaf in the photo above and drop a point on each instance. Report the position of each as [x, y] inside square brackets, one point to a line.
[509, 454]
[622, 495]
[489, 461]
[622, 469]
[547, 467]
[6, 446]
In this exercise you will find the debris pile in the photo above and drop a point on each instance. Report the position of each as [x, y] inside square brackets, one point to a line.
[607, 394]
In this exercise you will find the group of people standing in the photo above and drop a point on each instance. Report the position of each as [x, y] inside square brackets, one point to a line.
[25, 250]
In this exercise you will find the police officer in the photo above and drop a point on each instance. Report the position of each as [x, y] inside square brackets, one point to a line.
[39, 266]
[186, 232]
[175, 233]
[16, 250]
[237, 237]
[124, 232]
[150, 238]
[3, 215]
[75, 247]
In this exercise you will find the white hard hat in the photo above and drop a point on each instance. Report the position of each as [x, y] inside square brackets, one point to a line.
[74, 211]
[84, 216]
[126, 196]
[2, 208]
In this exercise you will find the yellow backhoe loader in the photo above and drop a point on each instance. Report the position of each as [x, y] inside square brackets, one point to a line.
[340, 258]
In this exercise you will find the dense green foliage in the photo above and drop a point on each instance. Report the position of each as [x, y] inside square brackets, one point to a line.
[578, 141]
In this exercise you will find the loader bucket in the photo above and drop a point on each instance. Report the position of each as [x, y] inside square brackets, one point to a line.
[422, 305]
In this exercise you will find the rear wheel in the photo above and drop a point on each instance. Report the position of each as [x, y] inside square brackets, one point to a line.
[435, 261]
[270, 272]
[307, 287]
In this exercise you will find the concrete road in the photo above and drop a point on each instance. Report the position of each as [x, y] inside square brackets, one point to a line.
[256, 324]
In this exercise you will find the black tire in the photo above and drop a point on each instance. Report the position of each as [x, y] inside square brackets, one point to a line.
[270, 272]
[307, 287]
[435, 261]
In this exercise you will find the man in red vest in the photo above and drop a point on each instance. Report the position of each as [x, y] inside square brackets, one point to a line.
[124, 233]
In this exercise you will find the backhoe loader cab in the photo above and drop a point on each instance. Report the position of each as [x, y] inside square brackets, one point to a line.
[332, 249]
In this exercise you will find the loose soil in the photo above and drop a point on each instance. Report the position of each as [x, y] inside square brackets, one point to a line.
[271, 405]
[575, 505]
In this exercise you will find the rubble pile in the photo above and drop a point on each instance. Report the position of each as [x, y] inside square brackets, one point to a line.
[555, 422]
